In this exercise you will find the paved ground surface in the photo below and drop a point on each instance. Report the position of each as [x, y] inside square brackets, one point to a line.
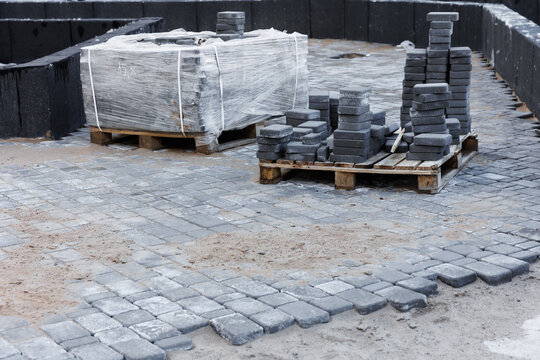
[114, 250]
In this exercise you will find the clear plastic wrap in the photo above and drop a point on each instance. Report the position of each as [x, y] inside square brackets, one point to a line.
[149, 82]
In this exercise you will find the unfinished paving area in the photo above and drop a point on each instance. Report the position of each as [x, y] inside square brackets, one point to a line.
[120, 251]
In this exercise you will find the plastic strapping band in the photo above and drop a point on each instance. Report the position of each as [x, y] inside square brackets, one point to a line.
[220, 90]
[296, 76]
[92, 86]
[179, 71]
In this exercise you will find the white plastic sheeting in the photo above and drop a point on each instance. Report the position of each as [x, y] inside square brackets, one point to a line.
[154, 82]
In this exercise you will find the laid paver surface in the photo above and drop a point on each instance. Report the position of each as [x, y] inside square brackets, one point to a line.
[118, 225]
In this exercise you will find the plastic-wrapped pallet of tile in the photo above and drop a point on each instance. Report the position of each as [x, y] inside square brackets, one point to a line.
[352, 137]
[431, 136]
[189, 82]
[460, 84]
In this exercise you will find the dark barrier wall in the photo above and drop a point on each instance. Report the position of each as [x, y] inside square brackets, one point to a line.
[43, 98]
[25, 40]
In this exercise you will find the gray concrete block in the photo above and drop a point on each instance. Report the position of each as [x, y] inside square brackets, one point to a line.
[157, 305]
[403, 299]
[490, 273]
[247, 306]
[377, 286]
[453, 275]
[296, 147]
[276, 131]
[431, 88]
[433, 139]
[272, 320]
[96, 351]
[305, 315]
[302, 114]
[427, 129]
[277, 299]
[427, 149]
[64, 330]
[419, 284]
[462, 262]
[179, 342]
[228, 297]
[7, 350]
[134, 317]
[251, 288]
[154, 330]
[525, 255]
[503, 249]
[304, 292]
[390, 275]
[97, 322]
[332, 304]
[72, 344]
[236, 329]
[212, 289]
[316, 126]
[431, 120]
[114, 306]
[199, 304]
[36, 349]
[217, 313]
[426, 274]
[352, 135]
[364, 301]
[139, 349]
[116, 335]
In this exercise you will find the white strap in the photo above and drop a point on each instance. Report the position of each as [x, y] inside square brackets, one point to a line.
[296, 76]
[178, 72]
[92, 86]
[220, 90]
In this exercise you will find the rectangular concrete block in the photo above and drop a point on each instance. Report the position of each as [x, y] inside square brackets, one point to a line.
[356, 19]
[534, 103]
[391, 22]
[69, 10]
[522, 48]
[33, 39]
[290, 15]
[9, 106]
[422, 26]
[175, 14]
[327, 19]
[207, 13]
[20, 10]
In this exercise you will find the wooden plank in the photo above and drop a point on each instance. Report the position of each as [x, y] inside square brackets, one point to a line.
[147, 133]
[285, 161]
[372, 160]
[350, 169]
[320, 163]
[408, 164]
[470, 144]
[345, 180]
[390, 162]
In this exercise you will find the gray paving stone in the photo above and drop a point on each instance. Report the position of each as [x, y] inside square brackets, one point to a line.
[43, 348]
[21, 334]
[445, 256]
[419, 285]
[11, 322]
[453, 275]
[179, 294]
[390, 275]
[184, 320]
[180, 342]
[200, 305]
[99, 296]
[141, 295]
[114, 306]
[403, 299]
[364, 301]
[134, 317]
[272, 320]
[72, 344]
[189, 279]
[525, 255]
[236, 328]
[503, 249]
[517, 267]
[112, 336]
[526, 245]
[334, 287]
[377, 286]
[157, 305]
[65, 330]
[462, 249]
[304, 292]
[489, 273]
[126, 287]
[96, 351]
[332, 304]
[154, 330]
[477, 255]
[139, 349]
[359, 282]
[464, 261]
[229, 297]
[7, 350]
[217, 313]
[253, 288]
[212, 289]
[426, 274]
[277, 299]
[304, 314]
[247, 306]
[97, 322]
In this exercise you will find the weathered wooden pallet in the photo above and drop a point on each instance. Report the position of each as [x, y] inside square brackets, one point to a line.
[432, 175]
[153, 140]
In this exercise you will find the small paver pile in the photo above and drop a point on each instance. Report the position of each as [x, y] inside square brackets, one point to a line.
[306, 149]
[460, 85]
[230, 24]
[272, 141]
[320, 100]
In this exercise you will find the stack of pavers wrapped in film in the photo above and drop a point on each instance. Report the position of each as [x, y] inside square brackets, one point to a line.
[352, 138]
[308, 134]
[431, 137]
[230, 24]
[415, 73]
[320, 100]
[460, 84]
[272, 141]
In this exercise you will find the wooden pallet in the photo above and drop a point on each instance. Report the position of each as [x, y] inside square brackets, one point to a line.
[153, 140]
[432, 175]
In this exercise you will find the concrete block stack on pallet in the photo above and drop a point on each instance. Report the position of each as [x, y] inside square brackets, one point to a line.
[352, 137]
[230, 24]
[440, 37]
[306, 150]
[460, 84]
[431, 136]
[415, 73]
[320, 100]
[272, 141]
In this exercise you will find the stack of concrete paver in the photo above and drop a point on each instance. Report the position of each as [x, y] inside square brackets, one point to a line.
[440, 37]
[230, 24]
[460, 83]
[454, 127]
[317, 127]
[296, 117]
[379, 118]
[431, 138]
[334, 104]
[306, 149]
[273, 140]
[352, 138]
[320, 100]
[415, 68]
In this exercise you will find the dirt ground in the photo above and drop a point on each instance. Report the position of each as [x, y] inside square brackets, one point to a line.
[457, 324]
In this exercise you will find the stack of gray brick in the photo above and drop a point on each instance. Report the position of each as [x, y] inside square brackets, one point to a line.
[230, 24]
[311, 133]
[296, 117]
[320, 100]
[440, 37]
[352, 138]
[272, 141]
[460, 84]
[415, 73]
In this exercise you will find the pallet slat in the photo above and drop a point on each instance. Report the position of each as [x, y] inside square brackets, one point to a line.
[390, 162]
